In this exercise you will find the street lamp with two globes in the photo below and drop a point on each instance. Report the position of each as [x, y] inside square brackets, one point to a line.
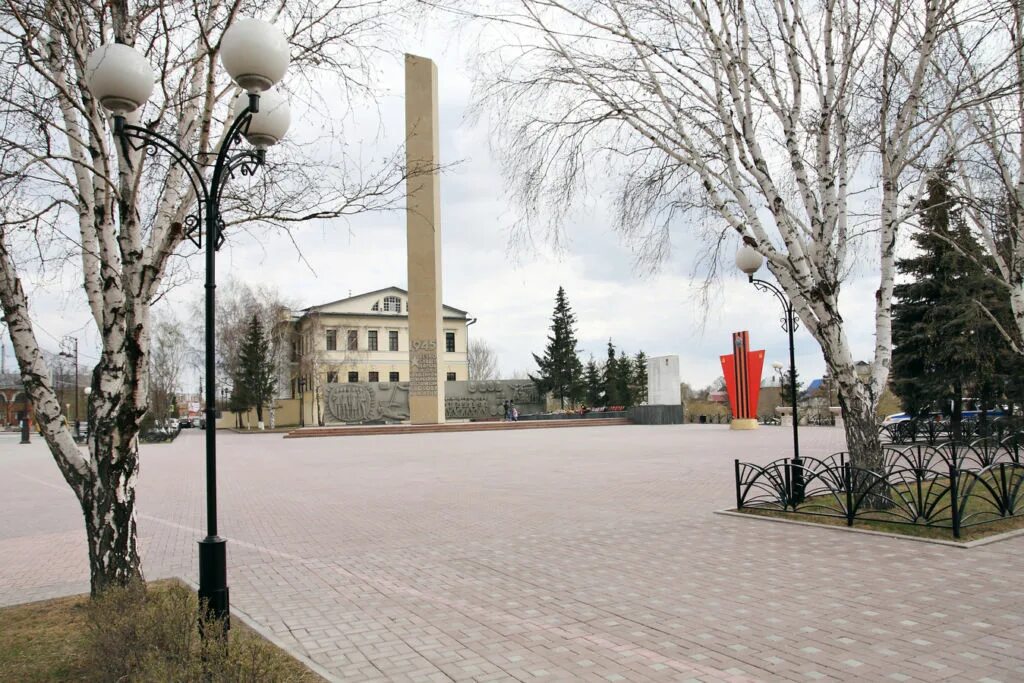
[256, 56]
[749, 260]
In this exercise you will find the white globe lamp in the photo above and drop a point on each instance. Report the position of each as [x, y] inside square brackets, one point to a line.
[269, 125]
[255, 54]
[119, 77]
[749, 260]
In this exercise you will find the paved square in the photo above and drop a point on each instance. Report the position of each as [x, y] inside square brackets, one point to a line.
[567, 554]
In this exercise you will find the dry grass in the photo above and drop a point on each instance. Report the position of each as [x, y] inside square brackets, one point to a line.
[43, 641]
[971, 533]
[136, 634]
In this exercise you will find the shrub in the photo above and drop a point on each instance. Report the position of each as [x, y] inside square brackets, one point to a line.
[149, 635]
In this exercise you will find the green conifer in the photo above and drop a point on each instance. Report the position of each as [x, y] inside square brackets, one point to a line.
[559, 369]
[257, 371]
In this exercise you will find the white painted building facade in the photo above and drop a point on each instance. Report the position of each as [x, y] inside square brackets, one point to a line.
[365, 338]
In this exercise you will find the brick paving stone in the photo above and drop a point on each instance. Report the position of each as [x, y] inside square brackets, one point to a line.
[571, 554]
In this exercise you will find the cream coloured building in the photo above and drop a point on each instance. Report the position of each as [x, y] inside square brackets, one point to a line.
[365, 338]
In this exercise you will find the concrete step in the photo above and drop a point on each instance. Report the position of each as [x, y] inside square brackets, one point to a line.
[367, 430]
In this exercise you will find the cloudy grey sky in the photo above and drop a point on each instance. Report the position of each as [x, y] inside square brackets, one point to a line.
[511, 294]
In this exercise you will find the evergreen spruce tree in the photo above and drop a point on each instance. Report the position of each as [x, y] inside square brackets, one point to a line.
[559, 369]
[592, 382]
[640, 378]
[238, 403]
[256, 368]
[786, 388]
[624, 378]
[610, 379]
[945, 345]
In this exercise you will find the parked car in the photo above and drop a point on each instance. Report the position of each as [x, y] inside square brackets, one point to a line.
[184, 423]
[965, 415]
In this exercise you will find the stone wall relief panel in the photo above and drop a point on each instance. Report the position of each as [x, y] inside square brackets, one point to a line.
[362, 402]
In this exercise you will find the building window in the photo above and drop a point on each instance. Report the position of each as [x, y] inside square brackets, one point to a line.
[353, 340]
[449, 342]
[332, 340]
[393, 304]
[375, 306]
[374, 376]
[332, 377]
[392, 376]
[392, 340]
[353, 376]
[371, 340]
[450, 377]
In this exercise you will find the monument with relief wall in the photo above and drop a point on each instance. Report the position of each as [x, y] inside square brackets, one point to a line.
[382, 402]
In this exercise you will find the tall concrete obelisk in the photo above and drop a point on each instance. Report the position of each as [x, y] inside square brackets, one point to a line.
[423, 237]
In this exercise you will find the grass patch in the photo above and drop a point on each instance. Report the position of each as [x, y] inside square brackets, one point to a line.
[138, 634]
[43, 641]
[971, 533]
[981, 513]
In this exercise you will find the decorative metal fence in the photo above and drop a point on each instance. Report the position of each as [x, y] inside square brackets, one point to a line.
[951, 486]
[933, 431]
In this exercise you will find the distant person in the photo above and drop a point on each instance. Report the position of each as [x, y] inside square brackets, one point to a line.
[513, 412]
[508, 413]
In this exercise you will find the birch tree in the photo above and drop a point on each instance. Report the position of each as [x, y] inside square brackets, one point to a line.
[73, 198]
[799, 128]
[481, 360]
[310, 361]
[987, 146]
[168, 357]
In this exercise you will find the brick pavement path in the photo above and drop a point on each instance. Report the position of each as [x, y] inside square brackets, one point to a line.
[566, 554]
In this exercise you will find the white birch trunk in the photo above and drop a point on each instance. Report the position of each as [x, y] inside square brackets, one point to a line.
[103, 482]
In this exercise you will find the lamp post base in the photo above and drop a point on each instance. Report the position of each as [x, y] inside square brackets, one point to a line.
[743, 423]
[798, 484]
[213, 578]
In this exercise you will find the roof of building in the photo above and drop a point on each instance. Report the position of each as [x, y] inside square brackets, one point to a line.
[458, 312]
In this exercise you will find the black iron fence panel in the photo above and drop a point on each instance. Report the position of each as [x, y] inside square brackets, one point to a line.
[950, 486]
[998, 487]
[933, 431]
[1014, 445]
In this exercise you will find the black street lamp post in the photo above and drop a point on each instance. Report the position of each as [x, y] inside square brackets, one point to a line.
[255, 54]
[71, 345]
[302, 401]
[749, 261]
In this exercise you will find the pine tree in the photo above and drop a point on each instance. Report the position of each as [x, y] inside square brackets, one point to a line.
[592, 382]
[256, 369]
[640, 378]
[560, 370]
[945, 345]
